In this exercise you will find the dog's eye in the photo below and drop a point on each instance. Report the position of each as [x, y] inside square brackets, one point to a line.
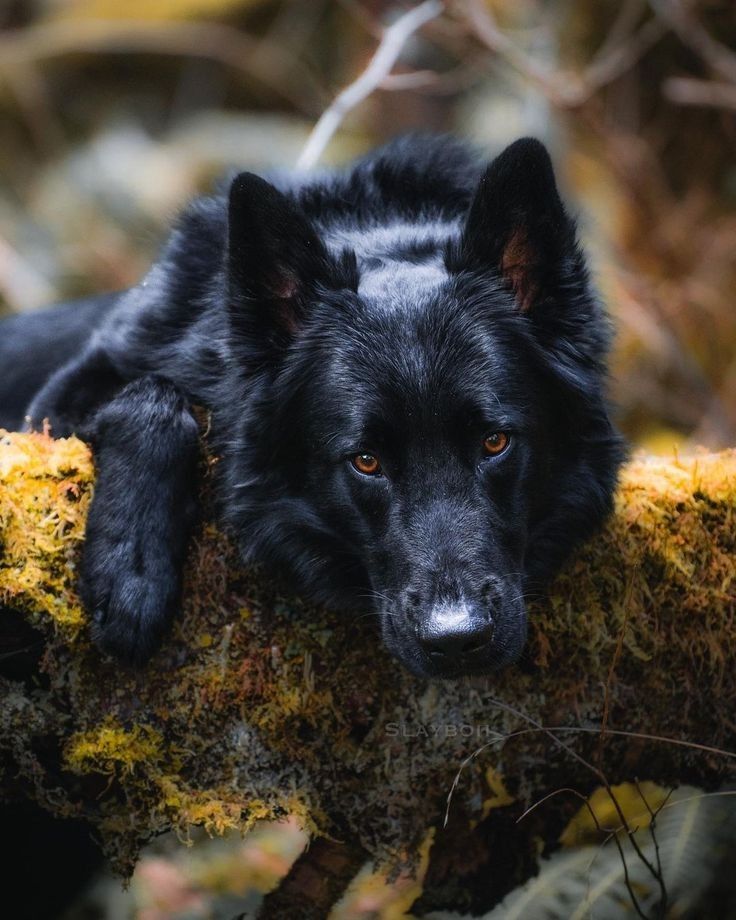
[366, 464]
[495, 443]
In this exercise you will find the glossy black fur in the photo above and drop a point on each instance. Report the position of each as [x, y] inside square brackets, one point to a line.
[407, 307]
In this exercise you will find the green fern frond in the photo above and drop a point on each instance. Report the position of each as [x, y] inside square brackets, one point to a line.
[588, 883]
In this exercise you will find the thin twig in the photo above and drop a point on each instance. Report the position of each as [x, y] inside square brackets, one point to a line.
[616, 62]
[564, 89]
[687, 91]
[380, 66]
[436, 83]
[574, 729]
[630, 832]
[551, 732]
[658, 855]
[612, 669]
[362, 17]
[601, 776]
[629, 13]
[27, 84]
[413, 79]
[487, 30]
[260, 59]
[692, 33]
[610, 834]
[627, 879]
[577, 794]
[21, 284]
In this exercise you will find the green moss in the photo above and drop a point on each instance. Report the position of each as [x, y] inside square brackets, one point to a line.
[259, 706]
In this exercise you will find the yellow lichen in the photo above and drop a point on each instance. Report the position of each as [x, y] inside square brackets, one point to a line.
[109, 747]
[46, 490]
[499, 796]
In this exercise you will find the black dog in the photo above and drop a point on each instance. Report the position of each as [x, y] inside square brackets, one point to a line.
[405, 365]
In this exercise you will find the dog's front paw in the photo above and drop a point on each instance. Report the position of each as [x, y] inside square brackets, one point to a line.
[130, 597]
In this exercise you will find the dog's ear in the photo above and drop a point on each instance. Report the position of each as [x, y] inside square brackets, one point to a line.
[274, 260]
[517, 224]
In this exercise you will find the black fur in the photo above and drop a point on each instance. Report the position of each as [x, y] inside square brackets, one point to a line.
[406, 307]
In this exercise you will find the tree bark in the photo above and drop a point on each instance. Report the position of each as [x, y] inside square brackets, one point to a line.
[315, 882]
[258, 705]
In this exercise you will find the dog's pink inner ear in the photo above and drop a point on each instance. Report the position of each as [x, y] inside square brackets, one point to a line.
[284, 306]
[518, 267]
[281, 285]
[285, 288]
[517, 225]
[275, 256]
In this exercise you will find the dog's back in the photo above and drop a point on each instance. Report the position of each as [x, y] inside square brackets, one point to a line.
[33, 345]
[397, 205]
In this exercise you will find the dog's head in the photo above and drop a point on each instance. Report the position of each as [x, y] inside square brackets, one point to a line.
[422, 430]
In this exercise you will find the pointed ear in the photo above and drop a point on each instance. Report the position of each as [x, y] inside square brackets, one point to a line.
[275, 258]
[517, 224]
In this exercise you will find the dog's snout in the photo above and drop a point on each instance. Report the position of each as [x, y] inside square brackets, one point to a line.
[455, 631]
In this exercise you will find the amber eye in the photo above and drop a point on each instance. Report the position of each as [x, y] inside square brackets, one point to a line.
[366, 464]
[495, 443]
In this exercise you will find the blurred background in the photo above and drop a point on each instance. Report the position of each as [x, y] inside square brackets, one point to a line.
[113, 114]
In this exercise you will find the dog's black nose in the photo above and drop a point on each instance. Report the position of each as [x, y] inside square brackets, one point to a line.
[455, 631]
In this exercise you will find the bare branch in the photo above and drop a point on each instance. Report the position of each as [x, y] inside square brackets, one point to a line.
[685, 91]
[612, 668]
[693, 34]
[22, 286]
[431, 82]
[260, 59]
[380, 66]
[564, 89]
[653, 833]
[486, 28]
[617, 61]
[629, 13]
[413, 79]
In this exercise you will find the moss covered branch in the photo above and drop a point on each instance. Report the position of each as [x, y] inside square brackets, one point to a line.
[258, 706]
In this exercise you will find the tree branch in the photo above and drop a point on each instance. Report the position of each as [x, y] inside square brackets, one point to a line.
[390, 47]
[257, 706]
[564, 89]
[685, 91]
[260, 59]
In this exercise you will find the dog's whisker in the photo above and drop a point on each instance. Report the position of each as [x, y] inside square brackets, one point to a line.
[376, 595]
[362, 616]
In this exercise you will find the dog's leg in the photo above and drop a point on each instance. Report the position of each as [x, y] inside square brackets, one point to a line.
[72, 394]
[144, 439]
[145, 445]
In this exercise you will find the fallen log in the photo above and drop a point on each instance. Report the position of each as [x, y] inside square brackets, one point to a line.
[258, 705]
